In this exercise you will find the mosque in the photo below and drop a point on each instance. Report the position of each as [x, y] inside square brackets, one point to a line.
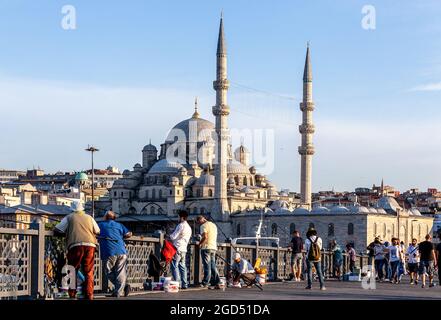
[196, 169]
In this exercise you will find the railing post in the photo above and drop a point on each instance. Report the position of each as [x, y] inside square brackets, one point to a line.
[37, 261]
[228, 256]
[197, 264]
[276, 264]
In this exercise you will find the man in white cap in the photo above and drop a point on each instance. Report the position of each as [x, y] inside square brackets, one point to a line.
[80, 230]
[242, 269]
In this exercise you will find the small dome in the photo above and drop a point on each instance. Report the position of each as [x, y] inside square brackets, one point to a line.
[415, 212]
[358, 209]
[150, 147]
[253, 170]
[284, 194]
[164, 166]
[320, 210]
[248, 190]
[339, 209]
[81, 176]
[279, 204]
[205, 180]
[301, 211]
[137, 166]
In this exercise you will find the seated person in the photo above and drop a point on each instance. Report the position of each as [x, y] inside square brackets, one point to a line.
[242, 269]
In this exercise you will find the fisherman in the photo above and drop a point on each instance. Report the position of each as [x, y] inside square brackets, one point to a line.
[208, 245]
[242, 269]
[114, 254]
[80, 230]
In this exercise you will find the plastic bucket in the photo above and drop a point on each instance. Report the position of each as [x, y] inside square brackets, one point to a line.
[261, 278]
[171, 286]
[222, 283]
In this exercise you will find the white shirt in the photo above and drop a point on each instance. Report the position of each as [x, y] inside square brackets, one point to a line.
[181, 236]
[308, 243]
[413, 254]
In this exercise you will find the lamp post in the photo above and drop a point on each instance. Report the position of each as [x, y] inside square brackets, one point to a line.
[92, 150]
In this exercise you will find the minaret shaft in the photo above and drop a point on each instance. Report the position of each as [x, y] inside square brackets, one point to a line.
[221, 112]
[306, 150]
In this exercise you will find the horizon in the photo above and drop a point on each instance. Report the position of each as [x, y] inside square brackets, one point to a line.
[137, 73]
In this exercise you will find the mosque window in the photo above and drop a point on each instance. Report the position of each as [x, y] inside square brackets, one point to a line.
[236, 180]
[199, 193]
[154, 194]
[114, 193]
[350, 229]
[122, 194]
[384, 230]
[330, 230]
[245, 182]
[274, 229]
[292, 227]
[238, 229]
[258, 194]
[160, 194]
[202, 210]
[152, 210]
[210, 192]
[195, 210]
[375, 229]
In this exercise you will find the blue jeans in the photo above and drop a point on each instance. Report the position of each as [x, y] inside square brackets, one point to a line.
[379, 265]
[394, 269]
[179, 268]
[318, 268]
[211, 275]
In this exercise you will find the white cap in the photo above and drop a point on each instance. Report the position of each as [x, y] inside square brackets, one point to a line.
[236, 256]
[77, 206]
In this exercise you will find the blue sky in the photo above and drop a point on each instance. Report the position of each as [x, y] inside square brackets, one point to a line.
[129, 72]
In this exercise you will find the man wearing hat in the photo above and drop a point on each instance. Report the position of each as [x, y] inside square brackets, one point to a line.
[180, 237]
[242, 269]
[114, 254]
[80, 230]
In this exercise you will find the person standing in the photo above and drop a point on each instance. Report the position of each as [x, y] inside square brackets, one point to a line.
[413, 256]
[387, 262]
[337, 256]
[379, 259]
[427, 261]
[296, 246]
[438, 259]
[371, 252]
[180, 237]
[352, 257]
[208, 245]
[80, 230]
[313, 247]
[114, 254]
[394, 251]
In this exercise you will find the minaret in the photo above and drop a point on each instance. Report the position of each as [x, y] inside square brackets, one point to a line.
[306, 150]
[221, 111]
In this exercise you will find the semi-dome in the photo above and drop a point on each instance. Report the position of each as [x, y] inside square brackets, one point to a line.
[301, 211]
[389, 204]
[339, 209]
[320, 210]
[81, 176]
[165, 166]
[203, 129]
[205, 180]
[235, 167]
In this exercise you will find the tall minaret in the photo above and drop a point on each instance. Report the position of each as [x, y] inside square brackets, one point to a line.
[306, 150]
[221, 111]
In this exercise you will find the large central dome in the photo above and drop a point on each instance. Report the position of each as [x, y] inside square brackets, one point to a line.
[194, 127]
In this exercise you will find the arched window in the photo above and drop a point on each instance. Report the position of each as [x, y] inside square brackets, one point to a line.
[153, 193]
[210, 192]
[236, 179]
[152, 210]
[274, 229]
[292, 227]
[199, 193]
[350, 229]
[245, 182]
[238, 229]
[375, 229]
[160, 194]
[384, 230]
[195, 210]
[258, 194]
[330, 230]
[202, 210]
[132, 210]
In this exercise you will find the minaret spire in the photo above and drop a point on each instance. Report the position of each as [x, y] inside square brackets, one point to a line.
[221, 111]
[196, 113]
[306, 150]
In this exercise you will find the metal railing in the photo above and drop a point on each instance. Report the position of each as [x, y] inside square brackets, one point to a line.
[31, 262]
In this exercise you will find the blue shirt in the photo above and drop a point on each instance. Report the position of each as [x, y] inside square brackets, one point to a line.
[111, 238]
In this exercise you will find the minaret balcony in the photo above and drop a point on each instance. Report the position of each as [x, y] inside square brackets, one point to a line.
[307, 106]
[221, 110]
[222, 84]
[308, 150]
[306, 128]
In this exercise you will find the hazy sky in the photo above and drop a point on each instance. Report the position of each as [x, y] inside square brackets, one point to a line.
[130, 71]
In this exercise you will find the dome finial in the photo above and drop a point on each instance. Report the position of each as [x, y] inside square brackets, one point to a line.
[196, 113]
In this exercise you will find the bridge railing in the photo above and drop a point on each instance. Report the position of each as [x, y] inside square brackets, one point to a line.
[31, 262]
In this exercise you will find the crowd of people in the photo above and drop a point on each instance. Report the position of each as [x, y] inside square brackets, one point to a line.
[389, 261]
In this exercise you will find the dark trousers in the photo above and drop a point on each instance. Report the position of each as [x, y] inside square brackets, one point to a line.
[83, 257]
[379, 264]
[248, 278]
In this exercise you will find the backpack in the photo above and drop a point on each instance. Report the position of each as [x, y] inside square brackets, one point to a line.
[314, 253]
